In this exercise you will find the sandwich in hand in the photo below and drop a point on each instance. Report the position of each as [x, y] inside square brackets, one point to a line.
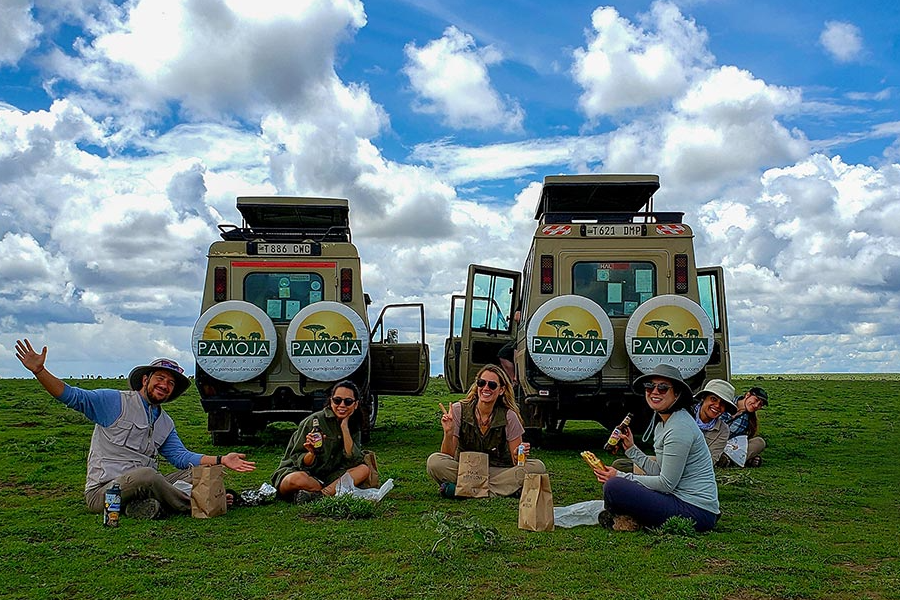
[592, 460]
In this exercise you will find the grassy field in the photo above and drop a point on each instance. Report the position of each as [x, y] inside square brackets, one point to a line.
[818, 520]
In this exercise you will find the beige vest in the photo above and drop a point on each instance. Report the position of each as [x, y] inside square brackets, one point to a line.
[132, 441]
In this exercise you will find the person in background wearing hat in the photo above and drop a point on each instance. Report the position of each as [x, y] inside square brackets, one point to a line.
[680, 481]
[130, 430]
[744, 422]
[714, 403]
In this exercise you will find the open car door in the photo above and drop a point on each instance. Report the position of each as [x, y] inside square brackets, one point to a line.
[398, 352]
[492, 299]
[453, 344]
[711, 288]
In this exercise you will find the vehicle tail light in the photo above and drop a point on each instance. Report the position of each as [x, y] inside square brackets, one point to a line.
[220, 284]
[546, 274]
[681, 274]
[346, 285]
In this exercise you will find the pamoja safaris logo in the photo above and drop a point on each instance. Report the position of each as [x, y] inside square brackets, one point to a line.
[234, 341]
[669, 329]
[570, 338]
[327, 341]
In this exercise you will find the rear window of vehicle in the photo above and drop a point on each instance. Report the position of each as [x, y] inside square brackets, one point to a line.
[619, 287]
[282, 295]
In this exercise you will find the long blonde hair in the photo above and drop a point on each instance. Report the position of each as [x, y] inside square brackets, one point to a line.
[508, 400]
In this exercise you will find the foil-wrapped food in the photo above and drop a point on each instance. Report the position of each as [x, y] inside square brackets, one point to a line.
[264, 495]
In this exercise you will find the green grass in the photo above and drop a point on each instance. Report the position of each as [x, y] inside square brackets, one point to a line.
[818, 520]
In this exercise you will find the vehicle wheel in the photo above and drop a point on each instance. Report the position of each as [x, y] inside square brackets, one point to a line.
[370, 414]
[225, 438]
[534, 436]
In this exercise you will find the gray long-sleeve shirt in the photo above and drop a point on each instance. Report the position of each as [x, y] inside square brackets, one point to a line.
[683, 466]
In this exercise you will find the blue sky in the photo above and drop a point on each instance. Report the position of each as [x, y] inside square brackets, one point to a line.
[127, 130]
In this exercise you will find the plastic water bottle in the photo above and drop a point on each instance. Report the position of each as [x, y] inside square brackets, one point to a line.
[112, 504]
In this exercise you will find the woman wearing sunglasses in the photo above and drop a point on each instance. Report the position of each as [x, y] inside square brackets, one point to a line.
[679, 480]
[307, 473]
[487, 420]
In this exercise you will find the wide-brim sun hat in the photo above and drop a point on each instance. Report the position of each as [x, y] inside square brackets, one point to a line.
[136, 377]
[723, 390]
[669, 372]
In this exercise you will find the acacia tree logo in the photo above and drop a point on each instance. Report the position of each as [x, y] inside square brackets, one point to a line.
[557, 324]
[657, 325]
[221, 328]
[314, 329]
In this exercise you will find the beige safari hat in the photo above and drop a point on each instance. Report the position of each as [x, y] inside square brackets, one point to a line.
[722, 390]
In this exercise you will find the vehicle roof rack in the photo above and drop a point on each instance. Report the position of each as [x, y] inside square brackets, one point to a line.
[607, 198]
[290, 218]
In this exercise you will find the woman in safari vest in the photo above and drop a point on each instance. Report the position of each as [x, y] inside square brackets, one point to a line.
[486, 420]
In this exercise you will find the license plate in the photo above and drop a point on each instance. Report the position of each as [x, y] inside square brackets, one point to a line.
[284, 249]
[629, 230]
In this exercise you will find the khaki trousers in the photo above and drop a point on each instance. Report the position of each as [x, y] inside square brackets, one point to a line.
[502, 481]
[145, 482]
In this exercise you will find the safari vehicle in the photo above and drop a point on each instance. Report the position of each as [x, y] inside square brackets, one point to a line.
[609, 290]
[284, 316]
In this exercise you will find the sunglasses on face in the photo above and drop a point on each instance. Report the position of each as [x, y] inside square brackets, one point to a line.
[492, 385]
[662, 387]
[347, 401]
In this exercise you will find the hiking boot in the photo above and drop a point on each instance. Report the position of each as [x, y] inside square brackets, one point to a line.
[625, 523]
[448, 490]
[304, 496]
[148, 508]
[605, 519]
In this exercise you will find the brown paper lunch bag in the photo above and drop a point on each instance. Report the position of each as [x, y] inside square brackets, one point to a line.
[536, 503]
[208, 491]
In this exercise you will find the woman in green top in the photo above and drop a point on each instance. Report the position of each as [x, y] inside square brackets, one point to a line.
[487, 420]
[307, 472]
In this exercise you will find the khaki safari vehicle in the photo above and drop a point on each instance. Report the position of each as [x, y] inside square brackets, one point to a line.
[284, 317]
[609, 290]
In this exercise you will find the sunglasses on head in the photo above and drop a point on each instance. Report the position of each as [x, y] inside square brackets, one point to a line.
[347, 401]
[492, 385]
[168, 365]
[662, 387]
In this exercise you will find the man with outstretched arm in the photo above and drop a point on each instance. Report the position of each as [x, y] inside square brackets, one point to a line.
[131, 429]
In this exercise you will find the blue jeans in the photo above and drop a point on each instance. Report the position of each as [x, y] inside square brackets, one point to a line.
[651, 508]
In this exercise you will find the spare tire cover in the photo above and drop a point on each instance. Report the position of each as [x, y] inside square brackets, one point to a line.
[570, 338]
[234, 341]
[669, 329]
[327, 341]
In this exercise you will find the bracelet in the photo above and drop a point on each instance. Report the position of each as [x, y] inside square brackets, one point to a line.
[35, 373]
[219, 459]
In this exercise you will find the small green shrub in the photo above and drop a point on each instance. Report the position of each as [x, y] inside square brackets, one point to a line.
[675, 526]
[342, 507]
[455, 531]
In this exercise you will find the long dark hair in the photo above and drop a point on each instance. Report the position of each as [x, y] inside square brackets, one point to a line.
[356, 419]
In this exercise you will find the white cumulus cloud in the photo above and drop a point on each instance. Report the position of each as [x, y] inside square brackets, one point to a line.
[842, 41]
[450, 79]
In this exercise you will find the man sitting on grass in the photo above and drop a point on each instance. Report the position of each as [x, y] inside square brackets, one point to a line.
[131, 429]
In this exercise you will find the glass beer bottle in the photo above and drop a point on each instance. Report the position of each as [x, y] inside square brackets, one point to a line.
[317, 437]
[612, 444]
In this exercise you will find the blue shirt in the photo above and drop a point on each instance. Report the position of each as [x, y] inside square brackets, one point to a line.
[103, 407]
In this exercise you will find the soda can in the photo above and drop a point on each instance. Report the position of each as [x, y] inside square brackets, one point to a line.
[520, 455]
[112, 505]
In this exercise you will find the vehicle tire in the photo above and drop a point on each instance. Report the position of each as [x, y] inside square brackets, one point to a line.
[225, 438]
[534, 436]
[370, 415]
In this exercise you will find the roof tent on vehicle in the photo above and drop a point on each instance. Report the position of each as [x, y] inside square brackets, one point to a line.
[291, 218]
[598, 198]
